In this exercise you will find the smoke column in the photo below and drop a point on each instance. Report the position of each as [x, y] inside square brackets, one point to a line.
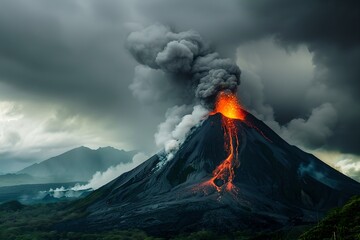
[188, 63]
[187, 58]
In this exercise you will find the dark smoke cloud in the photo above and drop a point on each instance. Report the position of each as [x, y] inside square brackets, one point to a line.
[328, 29]
[184, 54]
[70, 54]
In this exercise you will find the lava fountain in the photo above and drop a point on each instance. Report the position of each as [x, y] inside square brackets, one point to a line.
[227, 104]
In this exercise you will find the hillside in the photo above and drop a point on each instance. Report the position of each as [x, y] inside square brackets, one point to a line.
[343, 223]
[79, 164]
[270, 186]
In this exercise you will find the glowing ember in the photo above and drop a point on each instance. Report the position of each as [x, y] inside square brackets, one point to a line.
[228, 105]
[223, 176]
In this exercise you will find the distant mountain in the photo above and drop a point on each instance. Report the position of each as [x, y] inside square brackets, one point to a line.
[78, 164]
[11, 179]
[229, 175]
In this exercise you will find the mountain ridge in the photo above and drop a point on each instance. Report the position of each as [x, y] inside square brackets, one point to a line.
[78, 164]
[276, 185]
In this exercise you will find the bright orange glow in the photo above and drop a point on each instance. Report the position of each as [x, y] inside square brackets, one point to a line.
[227, 104]
[224, 174]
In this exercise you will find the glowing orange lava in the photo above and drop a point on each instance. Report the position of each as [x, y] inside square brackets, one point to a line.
[224, 174]
[228, 105]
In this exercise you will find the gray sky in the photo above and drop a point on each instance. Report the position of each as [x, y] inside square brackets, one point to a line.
[65, 72]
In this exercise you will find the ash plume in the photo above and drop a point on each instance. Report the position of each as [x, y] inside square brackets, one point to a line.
[187, 58]
[178, 64]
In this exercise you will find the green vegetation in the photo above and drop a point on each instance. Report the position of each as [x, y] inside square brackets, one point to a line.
[11, 206]
[35, 222]
[19, 222]
[341, 223]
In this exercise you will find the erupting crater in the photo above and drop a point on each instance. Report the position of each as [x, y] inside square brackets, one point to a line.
[227, 104]
[181, 195]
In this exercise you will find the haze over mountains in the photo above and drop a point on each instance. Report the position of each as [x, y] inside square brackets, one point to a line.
[76, 165]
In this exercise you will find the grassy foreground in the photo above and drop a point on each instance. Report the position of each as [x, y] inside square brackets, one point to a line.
[340, 223]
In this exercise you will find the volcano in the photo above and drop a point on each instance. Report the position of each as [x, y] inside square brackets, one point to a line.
[231, 173]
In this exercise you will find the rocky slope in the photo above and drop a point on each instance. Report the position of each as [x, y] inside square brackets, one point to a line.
[275, 185]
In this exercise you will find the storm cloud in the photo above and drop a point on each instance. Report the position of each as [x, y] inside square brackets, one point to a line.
[185, 56]
[298, 60]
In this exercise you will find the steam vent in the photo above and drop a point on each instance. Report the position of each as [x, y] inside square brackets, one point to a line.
[232, 173]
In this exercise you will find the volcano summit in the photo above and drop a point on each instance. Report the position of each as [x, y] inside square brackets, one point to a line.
[231, 173]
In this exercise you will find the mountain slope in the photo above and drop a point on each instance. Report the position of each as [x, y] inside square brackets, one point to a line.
[79, 164]
[275, 185]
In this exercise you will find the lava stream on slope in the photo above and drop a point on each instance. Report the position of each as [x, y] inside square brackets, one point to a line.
[227, 104]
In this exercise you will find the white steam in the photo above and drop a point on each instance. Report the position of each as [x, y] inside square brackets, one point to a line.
[64, 192]
[173, 132]
[178, 62]
[98, 179]
[101, 178]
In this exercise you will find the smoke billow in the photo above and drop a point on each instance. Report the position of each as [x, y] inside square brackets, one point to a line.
[98, 180]
[62, 192]
[101, 178]
[175, 129]
[189, 65]
[184, 55]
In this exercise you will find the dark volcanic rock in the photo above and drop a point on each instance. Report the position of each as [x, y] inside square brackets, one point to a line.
[277, 185]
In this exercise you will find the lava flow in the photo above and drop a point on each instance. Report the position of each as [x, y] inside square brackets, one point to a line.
[228, 105]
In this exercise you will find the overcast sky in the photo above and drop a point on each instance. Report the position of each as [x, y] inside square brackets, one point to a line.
[65, 72]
